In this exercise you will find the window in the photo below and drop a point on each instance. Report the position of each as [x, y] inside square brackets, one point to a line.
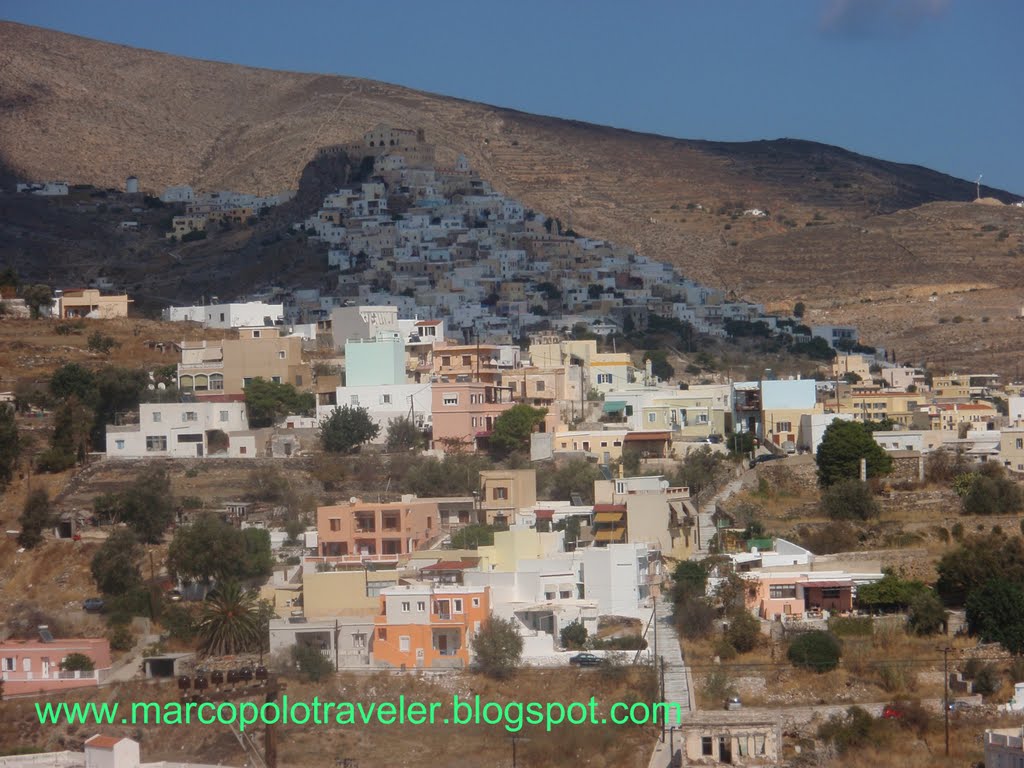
[652, 417]
[446, 360]
[405, 607]
[119, 444]
[335, 523]
[403, 643]
[276, 379]
[783, 426]
[224, 415]
[217, 381]
[476, 602]
[156, 417]
[255, 334]
[158, 443]
[540, 386]
[782, 591]
[9, 665]
[385, 399]
[467, 360]
[706, 746]
[1020, 444]
[353, 400]
[831, 593]
[499, 493]
[190, 438]
[457, 605]
[450, 398]
[702, 418]
[604, 443]
[246, 381]
[604, 378]
[281, 355]
[190, 416]
[298, 381]
[421, 605]
[382, 634]
[241, 450]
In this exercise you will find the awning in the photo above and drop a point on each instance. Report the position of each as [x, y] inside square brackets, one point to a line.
[608, 517]
[613, 407]
[545, 514]
[647, 436]
[848, 584]
[617, 534]
[567, 588]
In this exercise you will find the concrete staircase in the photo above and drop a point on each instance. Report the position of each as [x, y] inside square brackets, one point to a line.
[678, 682]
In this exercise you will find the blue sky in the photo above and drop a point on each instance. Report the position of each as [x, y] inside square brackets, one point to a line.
[932, 82]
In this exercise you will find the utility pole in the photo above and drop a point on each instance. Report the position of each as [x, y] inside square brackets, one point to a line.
[945, 698]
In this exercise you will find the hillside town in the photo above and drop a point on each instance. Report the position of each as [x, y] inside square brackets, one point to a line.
[492, 431]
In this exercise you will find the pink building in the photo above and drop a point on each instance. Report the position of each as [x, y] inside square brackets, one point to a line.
[33, 666]
[464, 411]
[777, 596]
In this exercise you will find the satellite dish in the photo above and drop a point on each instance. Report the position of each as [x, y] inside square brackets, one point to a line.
[353, 500]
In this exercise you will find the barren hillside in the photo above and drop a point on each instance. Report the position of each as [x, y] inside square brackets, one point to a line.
[839, 224]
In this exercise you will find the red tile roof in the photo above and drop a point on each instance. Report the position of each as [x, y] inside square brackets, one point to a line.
[104, 742]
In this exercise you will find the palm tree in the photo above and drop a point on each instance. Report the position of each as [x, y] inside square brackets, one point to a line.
[230, 622]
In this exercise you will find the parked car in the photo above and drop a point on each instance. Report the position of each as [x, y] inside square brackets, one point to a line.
[733, 703]
[174, 596]
[93, 604]
[585, 660]
[892, 712]
[763, 458]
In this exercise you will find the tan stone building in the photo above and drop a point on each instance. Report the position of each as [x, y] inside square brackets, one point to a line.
[504, 491]
[228, 365]
[88, 302]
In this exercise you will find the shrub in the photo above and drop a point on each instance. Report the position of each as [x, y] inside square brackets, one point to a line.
[724, 650]
[311, 663]
[77, 662]
[851, 626]
[744, 632]
[574, 635]
[817, 651]
[497, 647]
[717, 685]
[987, 680]
[694, 618]
[121, 638]
[848, 731]
[926, 616]
[850, 500]
[624, 643]
[894, 677]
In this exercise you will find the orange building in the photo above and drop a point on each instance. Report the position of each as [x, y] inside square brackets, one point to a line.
[428, 625]
[464, 411]
[383, 531]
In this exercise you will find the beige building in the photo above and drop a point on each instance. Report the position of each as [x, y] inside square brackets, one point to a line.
[352, 592]
[1011, 449]
[228, 365]
[898, 406]
[645, 510]
[504, 491]
[89, 303]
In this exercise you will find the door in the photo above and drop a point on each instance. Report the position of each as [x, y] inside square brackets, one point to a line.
[442, 644]
[46, 667]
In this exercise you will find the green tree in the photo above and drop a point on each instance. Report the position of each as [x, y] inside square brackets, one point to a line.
[660, 365]
[575, 476]
[115, 566]
[313, 665]
[513, 428]
[995, 613]
[570, 527]
[473, 536]
[890, 593]
[10, 445]
[926, 615]
[346, 429]
[403, 435]
[799, 309]
[101, 342]
[977, 561]
[842, 447]
[69, 443]
[37, 298]
[744, 632]
[850, 500]
[73, 379]
[211, 549]
[115, 391]
[146, 506]
[817, 651]
[574, 635]
[698, 470]
[267, 401]
[991, 492]
[35, 518]
[77, 662]
[259, 558]
[229, 623]
[689, 581]
[497, 647]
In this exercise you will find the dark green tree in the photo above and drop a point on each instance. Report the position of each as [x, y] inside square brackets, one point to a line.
[73, 379]
[574, 635]
[10, 445]
[995, 612]
[146, 506]
[267, 401]
[116, 391]
[229, 623]
[698, 470]
[744, 632]
[35, 518]
[799, 309]
[311, 663]
[842, 447]
[850, 500]
[115, 566]
[817, 651]
[977, 561]
[69, 443]
[689, 581]
[403, 435]
[77, 662]
[660, 365]
[890, 593]
[497, 647]
[37, 298]
[473, 536]
[926, 615]
[346, 429]
[575, 476]
[513, 428]
[210, 549]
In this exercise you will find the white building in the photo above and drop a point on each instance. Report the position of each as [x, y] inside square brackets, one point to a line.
[45, 189]
[1004, 748]
[183, 430]
[182, 194]
[232, 315]
[386, 403]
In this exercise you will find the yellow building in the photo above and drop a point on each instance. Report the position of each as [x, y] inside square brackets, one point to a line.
[518, 544]
[504, 491]
[352, 592]
[89, 303]
[226, 366]
[897, 406]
